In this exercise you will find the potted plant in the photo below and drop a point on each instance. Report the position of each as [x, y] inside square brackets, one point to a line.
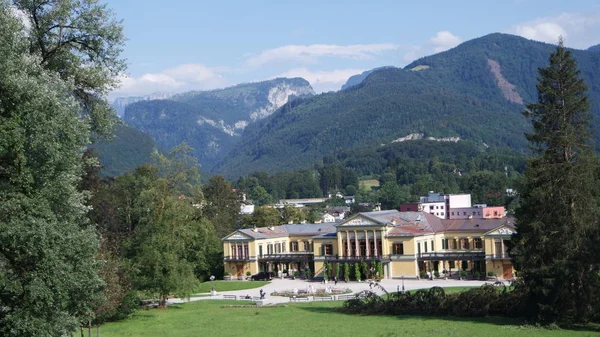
[436, 274]
[491, 274]
[463, 274]
[477, 275]
[308, 274]
[248, 274]
[296, 274]
[422, 274]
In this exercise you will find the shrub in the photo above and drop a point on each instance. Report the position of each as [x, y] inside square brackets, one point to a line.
[296, 273]
[491, 273]
[436, 274]
[248, 274]
[463, 273]
[477, 275]
[422, 273]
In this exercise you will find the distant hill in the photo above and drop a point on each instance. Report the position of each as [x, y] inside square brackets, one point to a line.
[120, 103]
[127, 149]
[212, 121]
[357, 79]
[595, 48]
[475, 91]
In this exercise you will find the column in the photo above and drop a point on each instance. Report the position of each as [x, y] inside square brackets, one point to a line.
[356, 243]
[375, 241]
[502, 245]
[347, 243]
[367, 242]
[233, 250]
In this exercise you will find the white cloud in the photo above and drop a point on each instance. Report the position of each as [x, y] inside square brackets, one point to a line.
[444, 40]
[323, 81]
[441, 41]
[579, 30]
[191, 76]
[311, 53]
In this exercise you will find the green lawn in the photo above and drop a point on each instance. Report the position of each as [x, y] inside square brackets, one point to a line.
[210, 318]
[204, 287]
[370, 183]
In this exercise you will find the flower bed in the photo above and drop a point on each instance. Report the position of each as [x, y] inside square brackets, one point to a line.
[316, 292]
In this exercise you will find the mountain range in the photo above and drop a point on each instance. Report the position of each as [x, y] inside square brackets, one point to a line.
[474, 92]
[212, 122]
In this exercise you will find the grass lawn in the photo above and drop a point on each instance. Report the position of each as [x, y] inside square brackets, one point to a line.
[204, 287]
[370, 183]
[209, 318]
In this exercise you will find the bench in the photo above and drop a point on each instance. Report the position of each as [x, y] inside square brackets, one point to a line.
[346, 297]
[229, 297]
[322, 298]
[296, 299]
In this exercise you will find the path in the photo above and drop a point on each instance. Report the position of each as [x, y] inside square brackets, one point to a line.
[289, 284]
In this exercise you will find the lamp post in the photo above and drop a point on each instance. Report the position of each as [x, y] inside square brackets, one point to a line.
[212, 285]
[403, 283]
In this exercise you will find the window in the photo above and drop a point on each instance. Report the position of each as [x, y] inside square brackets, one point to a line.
[464, 213]
[444, 243]
[306, 246]
[246, 255]
[270, 249]
[425, 247]
[294, 246]
[477, 243]
[432, 249]
[328, 249]
[277, 248]
[451, 264]
[398, 248]
[418, 247]
[464, 243]
[474, 213]
[431, 207]
[452, 213]
[442, 213]
[283, 245]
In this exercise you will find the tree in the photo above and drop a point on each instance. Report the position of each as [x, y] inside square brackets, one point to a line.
[172, 242]
[265, 217]
[391, 195]
[552, 249]
[222, 206]
[81, 41]
[49, 281]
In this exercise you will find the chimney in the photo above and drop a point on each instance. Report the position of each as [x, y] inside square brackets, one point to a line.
[255, 229]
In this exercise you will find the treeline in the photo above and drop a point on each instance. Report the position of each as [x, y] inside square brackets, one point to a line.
[404, 170]
[160, 230]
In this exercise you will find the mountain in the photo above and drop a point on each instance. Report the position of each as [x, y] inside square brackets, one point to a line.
[126, 150]
[595, 48]
[120, 103]
[357, 79]
[474, 92]
[213, 121]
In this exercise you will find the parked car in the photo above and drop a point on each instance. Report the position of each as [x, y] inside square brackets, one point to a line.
[263, 275]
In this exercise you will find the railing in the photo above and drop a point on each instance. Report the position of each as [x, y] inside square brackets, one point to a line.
[285, 256]
[452, 256]
[500, 256]
[340, 258]
[243, 258]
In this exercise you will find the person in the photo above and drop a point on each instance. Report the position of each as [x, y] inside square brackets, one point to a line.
[262, 294]
[248, 297]
[335, 280]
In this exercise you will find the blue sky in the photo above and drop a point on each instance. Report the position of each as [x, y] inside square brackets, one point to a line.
[180, 45]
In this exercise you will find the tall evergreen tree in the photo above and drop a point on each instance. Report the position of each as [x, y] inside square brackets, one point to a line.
[558, 211]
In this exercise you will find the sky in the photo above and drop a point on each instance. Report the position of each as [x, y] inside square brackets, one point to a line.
[180, 45]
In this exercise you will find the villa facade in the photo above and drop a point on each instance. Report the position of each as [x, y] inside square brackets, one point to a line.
[403, 243]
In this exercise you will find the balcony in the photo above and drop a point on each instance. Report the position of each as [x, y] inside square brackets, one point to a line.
[239, 258]
[290, 256]
[499, 256]
[339, 258]
[452, 256]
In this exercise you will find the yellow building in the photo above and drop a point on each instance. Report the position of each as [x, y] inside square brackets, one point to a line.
[404, 244]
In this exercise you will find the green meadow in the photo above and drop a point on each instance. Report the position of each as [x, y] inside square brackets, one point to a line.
[221, 318]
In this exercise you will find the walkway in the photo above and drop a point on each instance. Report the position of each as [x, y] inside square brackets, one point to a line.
[289, 284]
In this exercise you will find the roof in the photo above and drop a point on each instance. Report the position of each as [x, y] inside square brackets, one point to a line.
[416, 223]
[309, 229]
[477, 225]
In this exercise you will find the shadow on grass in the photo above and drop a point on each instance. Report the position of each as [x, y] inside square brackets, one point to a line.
[518, 323]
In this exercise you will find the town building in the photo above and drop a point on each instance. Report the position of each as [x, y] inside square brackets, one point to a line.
[404, 243]
[453, 206]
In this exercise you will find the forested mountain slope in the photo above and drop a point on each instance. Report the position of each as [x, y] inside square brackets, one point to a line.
[475, 91]
[212, 121]
[126, 150]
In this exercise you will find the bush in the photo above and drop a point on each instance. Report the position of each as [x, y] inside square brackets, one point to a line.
[296, 273]
[477, 275]
[248, 274]
[422, 274]
[491, 274]
[463, 273]
[436, 274]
